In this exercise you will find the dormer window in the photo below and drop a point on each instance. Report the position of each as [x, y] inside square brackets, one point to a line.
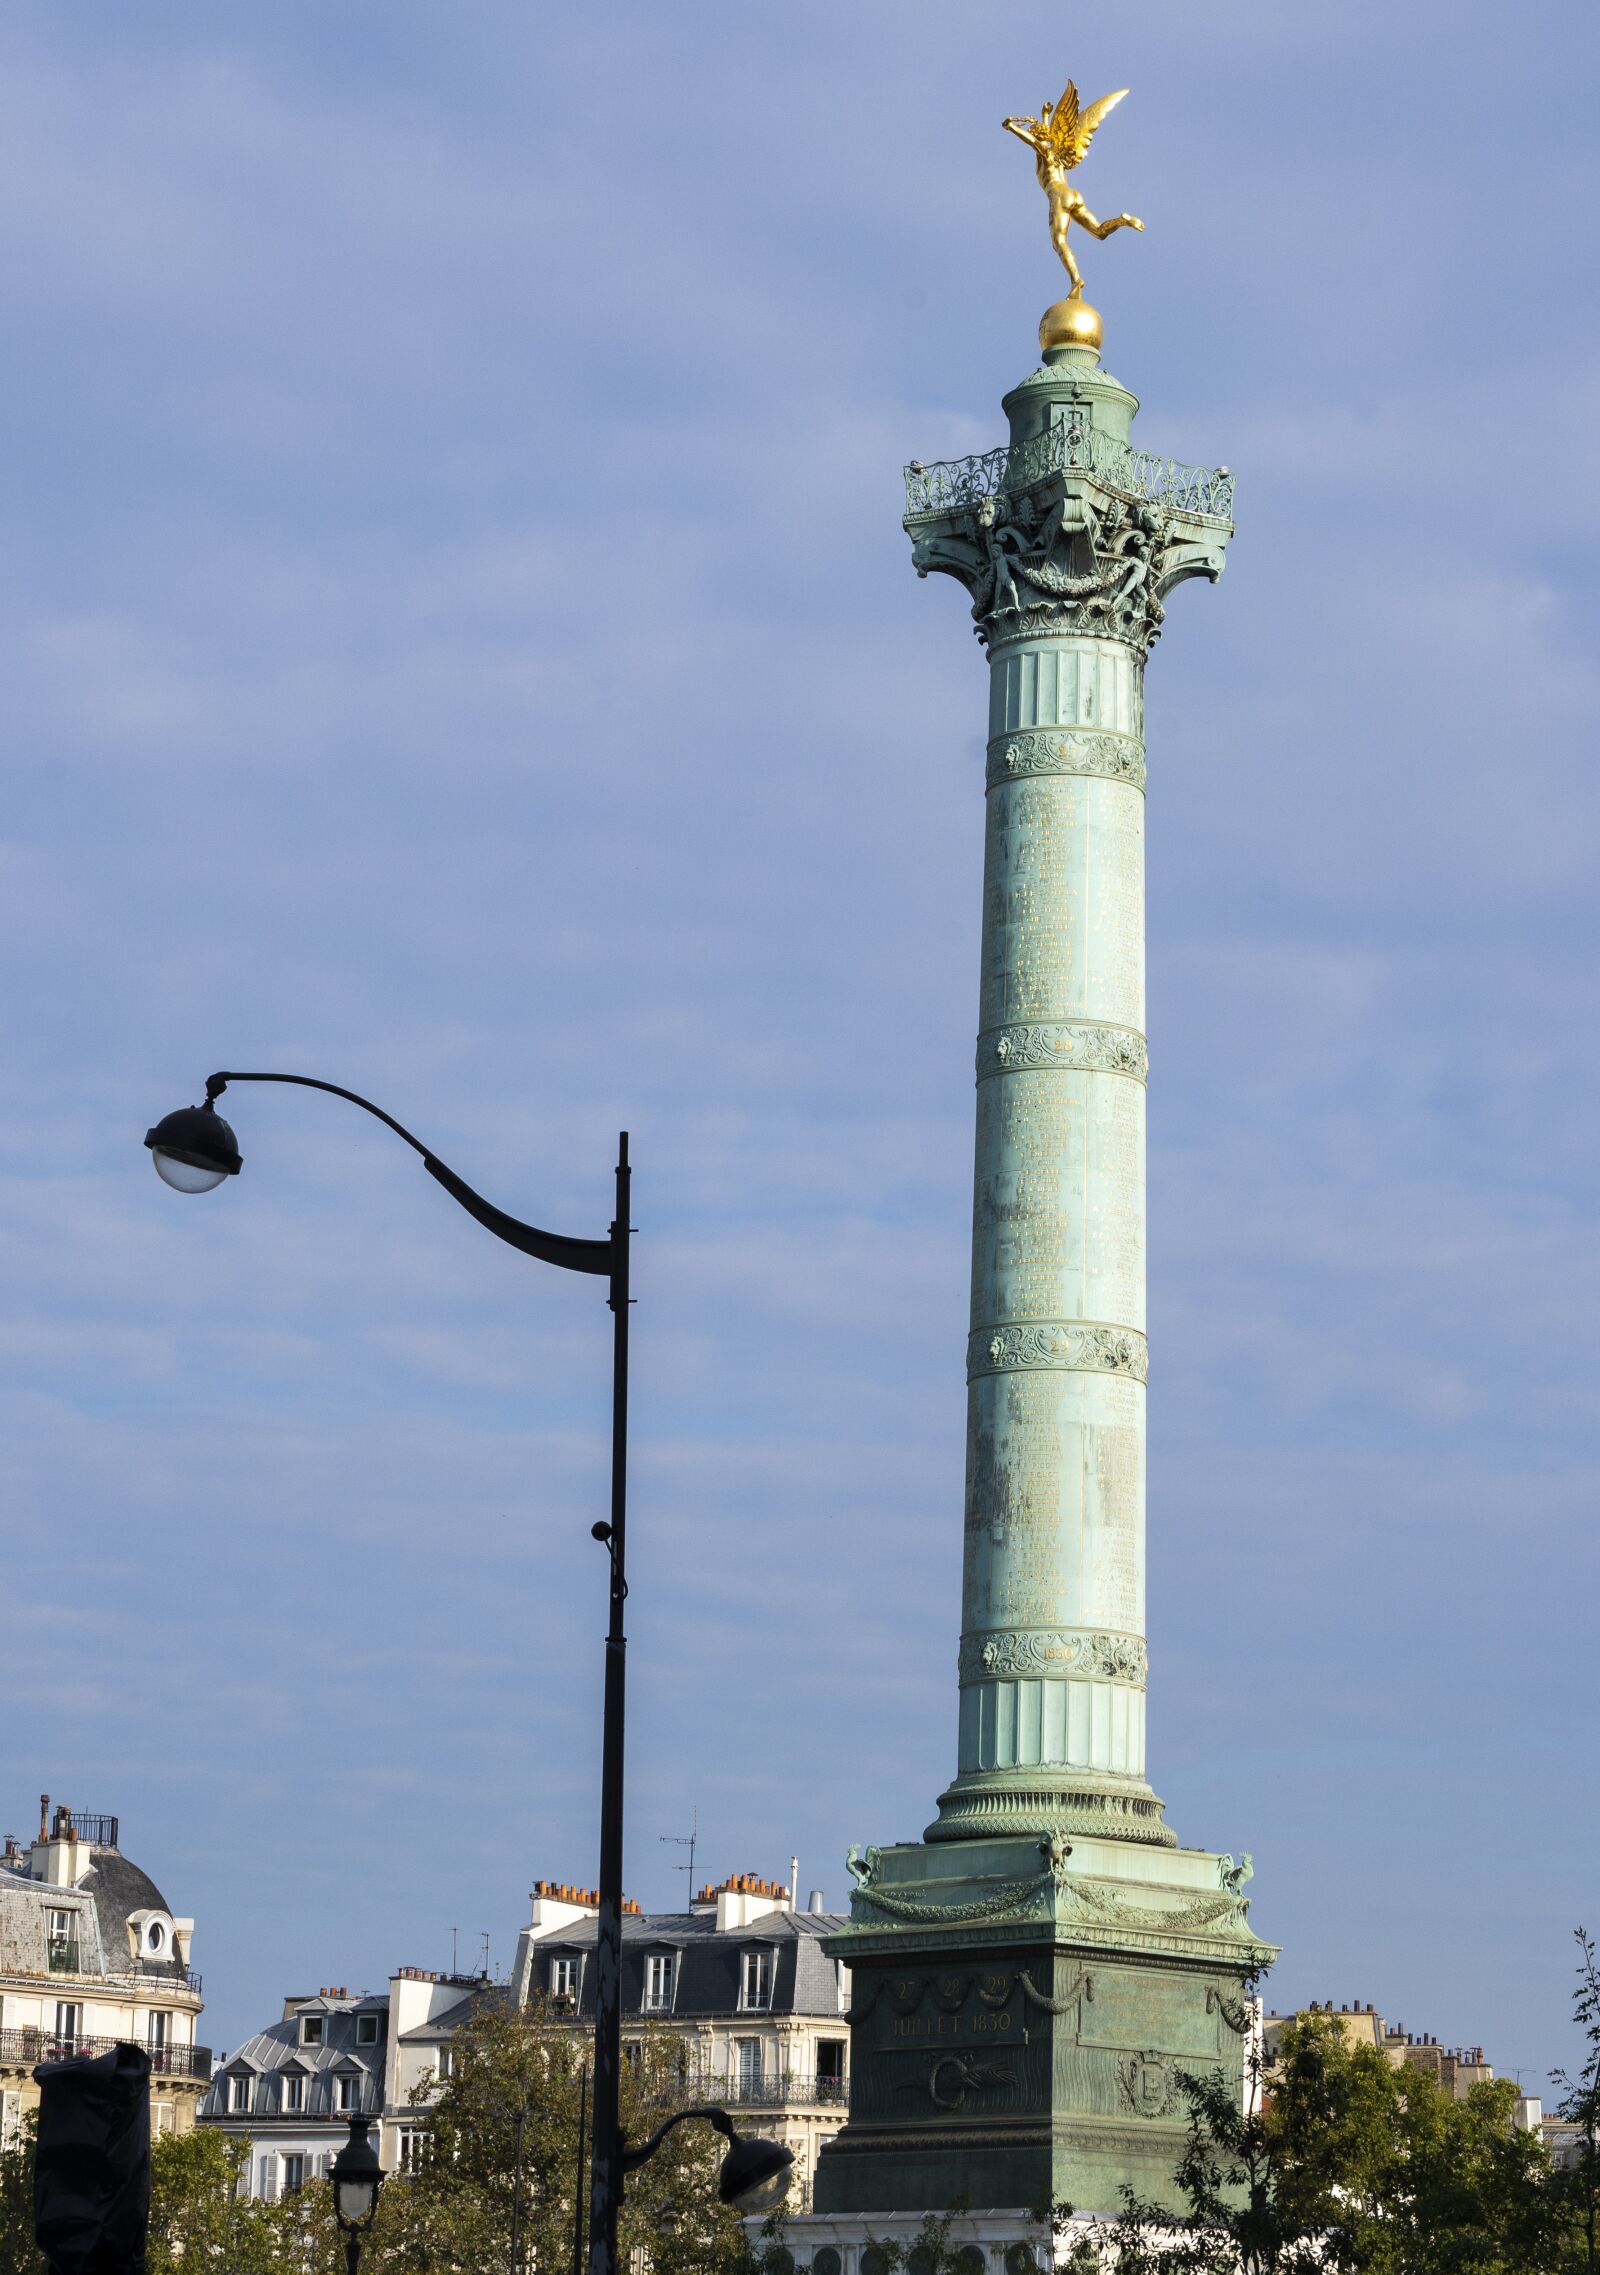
[660, 1975]
[347, 2091]
[155, 1938]
[564, 1981]
[292, 2094]
[755, 1981]
[367, 2029]
[239, 2094]
[311, 2029]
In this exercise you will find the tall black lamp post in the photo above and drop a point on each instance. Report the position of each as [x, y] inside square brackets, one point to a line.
[194, 1152]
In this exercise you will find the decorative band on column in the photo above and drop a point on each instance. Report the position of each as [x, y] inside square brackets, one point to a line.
[1088, 1043]
[1055, 750]
[1066, 1343]
[1053, 1651]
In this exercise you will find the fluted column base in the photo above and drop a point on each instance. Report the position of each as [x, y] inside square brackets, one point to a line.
[981, 1804]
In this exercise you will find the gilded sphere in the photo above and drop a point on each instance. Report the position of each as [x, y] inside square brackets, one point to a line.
[1070, 324]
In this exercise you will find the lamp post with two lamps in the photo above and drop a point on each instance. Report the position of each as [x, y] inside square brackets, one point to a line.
[195, 1151]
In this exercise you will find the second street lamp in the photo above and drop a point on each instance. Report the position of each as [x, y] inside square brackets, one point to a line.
[356, 2177]
[194, 1152]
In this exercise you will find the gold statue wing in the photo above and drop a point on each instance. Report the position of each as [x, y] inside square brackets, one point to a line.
[1072, 130]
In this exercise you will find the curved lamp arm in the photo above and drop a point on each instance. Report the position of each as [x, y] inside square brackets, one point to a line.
[718, 2118]
[598, 1256]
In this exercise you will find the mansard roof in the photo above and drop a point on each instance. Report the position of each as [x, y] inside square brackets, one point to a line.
[805, 1979]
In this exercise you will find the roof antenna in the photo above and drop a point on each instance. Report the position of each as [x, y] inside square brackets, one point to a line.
[454, 1964]
[483, 1938]
[686, 1840]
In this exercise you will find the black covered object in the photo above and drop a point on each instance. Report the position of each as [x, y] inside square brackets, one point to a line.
[91, 2191]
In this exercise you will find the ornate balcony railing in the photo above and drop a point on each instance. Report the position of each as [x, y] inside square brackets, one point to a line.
[1076, 446]
[30, 2046]
[777, 2091]
[170, 1971]
[94, 1826]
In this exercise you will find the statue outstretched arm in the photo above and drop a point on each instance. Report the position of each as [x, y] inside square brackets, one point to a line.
[1027, 130]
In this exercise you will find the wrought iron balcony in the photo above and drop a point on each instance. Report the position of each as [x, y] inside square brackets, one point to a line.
[170, 1971]
[784, 2089]
[1076, 446]
[94, 1826]
[19, 2047]
[61, 1955]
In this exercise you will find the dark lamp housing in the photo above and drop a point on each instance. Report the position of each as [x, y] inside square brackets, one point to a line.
[755, 2175]
[357, 2176]
[193, 1149]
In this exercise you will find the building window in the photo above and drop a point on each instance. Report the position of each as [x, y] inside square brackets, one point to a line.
[632, 2053]
[660, 1972]
[163, 2117]
[69, 2022]
[294, 2175]
[292, 2092]
[62, 1956]
[155, 1936]
[268, 2190]
[367, 2029]
[444, 2062]
[564, 1980]
[157, 2031]
[830, 2069]
[755, 1982]
[747, 2067]
[238, 2095]
[311, 2029]
[413, 2144]
[346, 2091]
[10, 2120]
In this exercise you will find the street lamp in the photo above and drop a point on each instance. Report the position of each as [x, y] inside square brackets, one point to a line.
[357, 2176]
[754, 2175]
[194, 1152]
[193, 1149]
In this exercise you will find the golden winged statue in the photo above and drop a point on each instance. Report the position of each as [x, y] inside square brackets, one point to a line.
[1059, 138]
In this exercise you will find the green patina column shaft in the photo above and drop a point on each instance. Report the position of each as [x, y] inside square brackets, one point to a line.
[1067, 542]
[1031, 1978]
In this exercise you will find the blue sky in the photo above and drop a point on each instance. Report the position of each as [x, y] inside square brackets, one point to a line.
[458, 641]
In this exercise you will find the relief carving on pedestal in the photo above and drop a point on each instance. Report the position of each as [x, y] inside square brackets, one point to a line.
[1234, 2012]
[1149, 2083]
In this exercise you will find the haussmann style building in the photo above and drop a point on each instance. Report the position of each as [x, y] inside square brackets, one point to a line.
[92, 1956]
[743, 1980]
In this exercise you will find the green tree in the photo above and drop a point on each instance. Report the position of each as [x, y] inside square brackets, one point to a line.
[501, 2180]
[1466, 2186]
[19, 2254]
[1354, 2165]
[197, 2214]
[1580, 2106]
